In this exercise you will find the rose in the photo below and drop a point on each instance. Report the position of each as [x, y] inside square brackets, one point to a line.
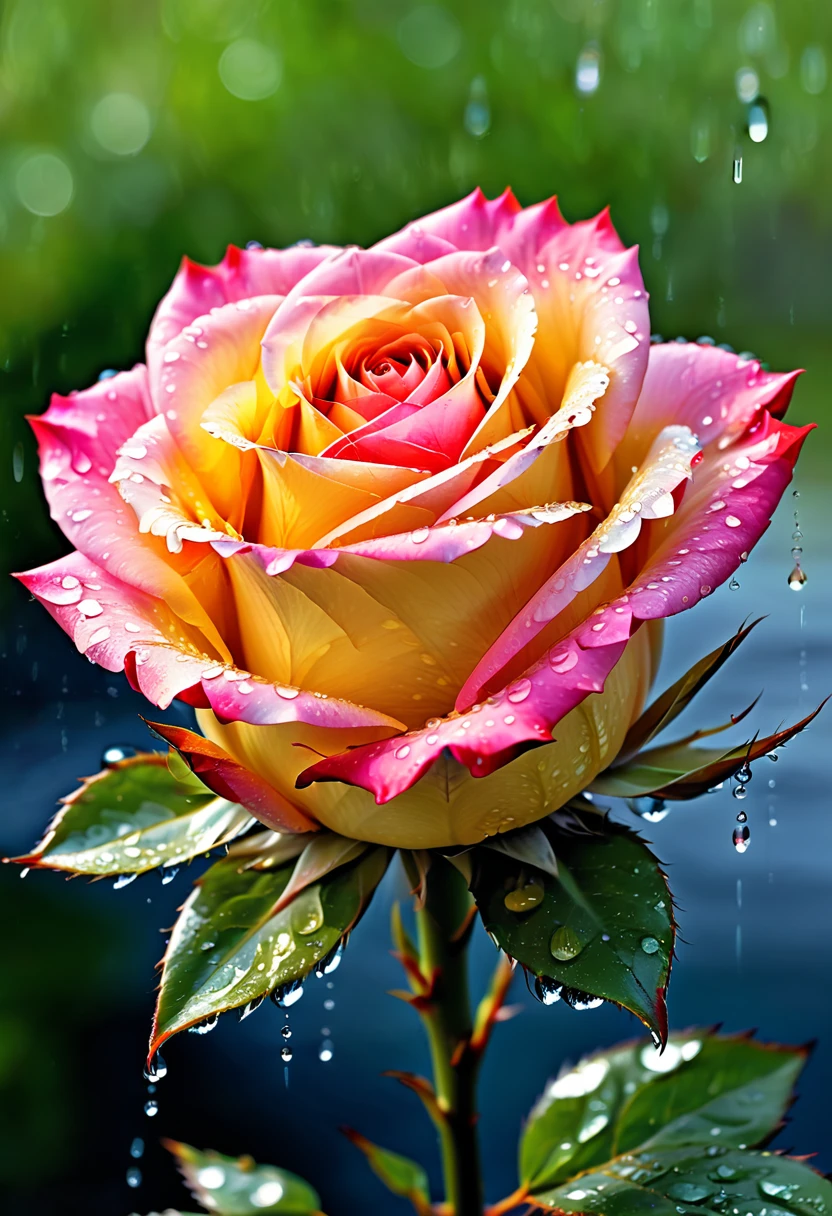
[403, 523]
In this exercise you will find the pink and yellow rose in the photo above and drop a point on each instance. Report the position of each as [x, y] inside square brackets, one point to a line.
[403, 523]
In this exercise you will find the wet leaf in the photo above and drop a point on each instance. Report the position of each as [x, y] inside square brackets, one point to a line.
[695, 1179]
[702, 1090]
[529, 845]
[675, 699]
[231, 945]
[399, 1174]
[325, 852]
[134, 816]
[603, 927]
[238, 1186]
[266, 850]
[679, 771]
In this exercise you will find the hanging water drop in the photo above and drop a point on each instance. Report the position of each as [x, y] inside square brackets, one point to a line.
[741, 838]
[546, 990]
[734, 584]
[156, 1069]
[797, 578]
[169, 875]
[653, 810]
[288, 996]
[124, 880]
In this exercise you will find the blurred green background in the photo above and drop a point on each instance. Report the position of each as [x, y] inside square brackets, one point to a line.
[134, 133]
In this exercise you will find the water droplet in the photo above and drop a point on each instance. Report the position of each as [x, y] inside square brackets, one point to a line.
[523, 899]
[286, 1053]
[758, 121]
[565, 944]
[325, 1051]
[205, 1027]
[737, 170]
[478, 112]
[286, 1031]
[124, 880]
[519, 691]
[212, 1177]
[734, 584]
[740, 792]
[156, 1070]
[588, 70]
[741, 838]
[546, 990]
[742, 817]
[267, 1194]
[332, 963]
[307, 913]
[18, 456]
[134, 1177]
[653, 810]
[169, 875]
[137, 1148]
[151, 1108]
[288, 996]
[689, 1192]
[797, 579]
[650, 945]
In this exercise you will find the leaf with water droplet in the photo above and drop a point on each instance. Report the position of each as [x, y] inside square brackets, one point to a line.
[399, 1174]
[679, 771]
[259, 947]
[136, 815]
[586, 932]
[633, 1105]
[238, 1186]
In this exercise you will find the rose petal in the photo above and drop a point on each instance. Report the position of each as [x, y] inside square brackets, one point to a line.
[242, 274]
[232, 780]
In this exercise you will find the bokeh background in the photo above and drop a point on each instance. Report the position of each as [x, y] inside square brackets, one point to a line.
[134, 133]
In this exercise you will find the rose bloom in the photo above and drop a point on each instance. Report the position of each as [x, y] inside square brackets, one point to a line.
[402, 523]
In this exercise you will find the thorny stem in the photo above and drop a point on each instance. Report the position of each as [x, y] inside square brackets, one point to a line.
[457, 1038]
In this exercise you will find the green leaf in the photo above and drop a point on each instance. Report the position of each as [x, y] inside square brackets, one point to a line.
[696, 1179]
[678, 771]
[134, 816]
[399, 1174]
[608, 917]
[674, 700]
[702, 1090]
[231, 946]
[238, 1186]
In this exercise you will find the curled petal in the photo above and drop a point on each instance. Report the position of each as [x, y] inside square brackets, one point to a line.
[242, 274]
[232, 780]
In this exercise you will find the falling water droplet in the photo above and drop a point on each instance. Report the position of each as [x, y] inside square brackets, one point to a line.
[797, 579]
[134, 1176]
[326, 1051]
[740, 791]
[737, 170]
[286, 1053]
[588, 70]
[477, 111]
[137, 1148]
[151, 1108]
[758, 121]
[741, 838]
[18, 456]
[565, 944]
[742, 817]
